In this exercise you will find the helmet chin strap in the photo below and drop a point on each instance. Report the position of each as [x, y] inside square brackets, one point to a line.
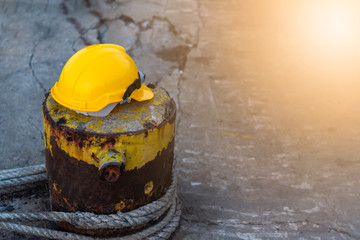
[132, 87]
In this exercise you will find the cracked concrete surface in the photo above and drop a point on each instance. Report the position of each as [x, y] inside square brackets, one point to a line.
[261, 154]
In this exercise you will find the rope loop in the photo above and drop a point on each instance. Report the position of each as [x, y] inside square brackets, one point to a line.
[28, 177]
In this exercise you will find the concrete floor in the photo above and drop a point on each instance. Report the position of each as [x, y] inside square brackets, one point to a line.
[267, 129]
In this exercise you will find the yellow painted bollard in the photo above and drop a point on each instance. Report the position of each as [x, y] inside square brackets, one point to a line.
[118, 162]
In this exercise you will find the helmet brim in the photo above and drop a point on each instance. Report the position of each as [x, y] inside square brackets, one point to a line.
[142, 94]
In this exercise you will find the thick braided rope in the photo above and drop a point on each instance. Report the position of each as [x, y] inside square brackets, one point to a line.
[25, 180]
[87, 220]
[20, 172]
[17, 179]
[161, 230]
[139, 216]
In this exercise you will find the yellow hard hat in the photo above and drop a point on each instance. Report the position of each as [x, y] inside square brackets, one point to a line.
[97, 76]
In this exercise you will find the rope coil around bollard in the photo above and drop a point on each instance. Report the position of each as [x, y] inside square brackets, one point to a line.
[22, 178]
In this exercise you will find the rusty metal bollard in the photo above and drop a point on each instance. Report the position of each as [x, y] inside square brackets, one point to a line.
[115, 163]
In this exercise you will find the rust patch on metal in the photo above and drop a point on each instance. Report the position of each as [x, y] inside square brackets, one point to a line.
[81, 189]
[80, 184]
[111, 173]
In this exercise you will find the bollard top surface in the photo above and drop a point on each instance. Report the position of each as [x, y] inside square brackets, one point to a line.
[124, 119]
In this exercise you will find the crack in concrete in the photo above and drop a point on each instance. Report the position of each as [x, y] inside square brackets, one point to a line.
[202, 22]
[101, 27]
[37, 80]
[103, 23]
[198, 218]
[302, 222]
[77, 26]
[64, 8]
[306, 221]
[73, 44]
[81, 31]
[47, 6]
[3, 5]
[16, 6]
[195, 45]
[38, 130]
[335, 229]
[128, 20]
[36, 44]
[100, 34]
[172, 27]
[176, 54]
[84, 40]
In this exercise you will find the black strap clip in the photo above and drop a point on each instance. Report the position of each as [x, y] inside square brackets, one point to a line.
[132, 87]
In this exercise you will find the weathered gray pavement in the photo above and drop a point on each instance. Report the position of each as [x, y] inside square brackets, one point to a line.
[266, 148]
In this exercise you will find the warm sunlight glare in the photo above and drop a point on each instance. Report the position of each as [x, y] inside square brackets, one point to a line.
[335, 24]
[328, 34]
[332, 24]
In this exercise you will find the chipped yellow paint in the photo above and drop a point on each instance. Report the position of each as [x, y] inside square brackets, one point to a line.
[56, 187]
[72, 208]
[148, 187]
[47, 131]
[160, 99]
[57, 108]
[120, 206]
[139, 149]
[134, 112]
